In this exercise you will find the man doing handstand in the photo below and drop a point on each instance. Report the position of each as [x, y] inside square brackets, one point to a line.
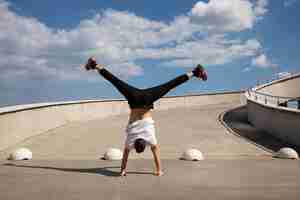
[140, 130]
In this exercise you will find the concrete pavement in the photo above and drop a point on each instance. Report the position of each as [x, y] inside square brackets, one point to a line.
[177, 129]
[258, 178]
[66, 163]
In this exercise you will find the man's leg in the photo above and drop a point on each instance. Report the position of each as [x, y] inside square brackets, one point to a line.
[125, 89]
[157, 92]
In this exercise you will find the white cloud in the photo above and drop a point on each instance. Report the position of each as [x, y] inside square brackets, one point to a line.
[22, 34]
[212, 52]
[247, 69]
[228, 15]
[262, 61]
[30, 49]
[288, 3]
[25, 42]
[126, 70]
[261, 7]
[225, 15]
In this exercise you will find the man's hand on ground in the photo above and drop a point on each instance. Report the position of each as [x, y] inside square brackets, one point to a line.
[123, 173]
[159, 173]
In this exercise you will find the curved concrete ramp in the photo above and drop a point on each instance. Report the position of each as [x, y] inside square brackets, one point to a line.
[237, 120]
[269, 110]
[177, 129]
[286, 87]
[66, 162]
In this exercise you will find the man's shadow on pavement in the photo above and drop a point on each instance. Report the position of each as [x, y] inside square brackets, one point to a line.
[105, 171]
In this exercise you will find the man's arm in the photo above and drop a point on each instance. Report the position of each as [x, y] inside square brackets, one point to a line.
[124, 161]
[155, 151]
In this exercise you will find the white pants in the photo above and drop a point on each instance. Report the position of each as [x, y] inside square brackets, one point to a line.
[143, 129]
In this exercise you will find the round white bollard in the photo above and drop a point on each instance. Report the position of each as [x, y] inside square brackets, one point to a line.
[192, 155]
[21, 154]
[113, 154]
[287, 153]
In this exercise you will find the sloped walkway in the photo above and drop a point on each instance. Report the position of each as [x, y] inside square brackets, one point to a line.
[177, 129]
[67, 163]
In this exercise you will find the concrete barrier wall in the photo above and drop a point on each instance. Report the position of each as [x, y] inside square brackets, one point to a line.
[265, 114]
[20, 122]
[287, 87]
[283, 123]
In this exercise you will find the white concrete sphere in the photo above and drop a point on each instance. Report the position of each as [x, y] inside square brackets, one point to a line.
[192, 155]
[21, 154]
[287, 153]
[113, 154]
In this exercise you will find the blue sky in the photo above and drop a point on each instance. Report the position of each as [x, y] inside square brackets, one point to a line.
[43, 43]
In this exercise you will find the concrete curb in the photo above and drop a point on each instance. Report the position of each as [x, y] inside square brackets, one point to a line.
[231, 131]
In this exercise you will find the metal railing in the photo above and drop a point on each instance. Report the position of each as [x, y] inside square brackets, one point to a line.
[266, 98]
[267, 79]
[271, 99]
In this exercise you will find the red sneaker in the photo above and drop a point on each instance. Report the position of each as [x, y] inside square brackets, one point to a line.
[200, 73]
[91, 63]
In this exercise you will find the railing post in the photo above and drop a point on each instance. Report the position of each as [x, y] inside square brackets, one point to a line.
[265, 99]
[283, 104]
